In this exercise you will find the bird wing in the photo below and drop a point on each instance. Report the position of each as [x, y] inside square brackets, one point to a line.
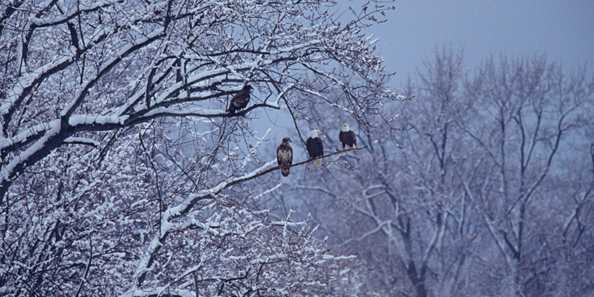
[289, 154]
[310, 146]
[342, 137]
[314, 147]
[279, 154]
[353, 137]
[242, 97]
[318, 147]
[284, 154]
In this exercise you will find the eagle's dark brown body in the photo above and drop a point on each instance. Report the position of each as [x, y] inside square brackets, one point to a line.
[315, 147]
[348, 139]
[241, 99]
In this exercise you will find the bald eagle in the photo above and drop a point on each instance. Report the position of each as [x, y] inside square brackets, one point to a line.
[315, 147]
[347, 137]
[284, 156]
[241, 99]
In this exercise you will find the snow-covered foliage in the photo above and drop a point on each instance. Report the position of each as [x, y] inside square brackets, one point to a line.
[481, 184]
[123, 174]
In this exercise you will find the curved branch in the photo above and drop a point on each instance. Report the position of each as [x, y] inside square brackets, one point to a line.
[146, 261]
[273, 168]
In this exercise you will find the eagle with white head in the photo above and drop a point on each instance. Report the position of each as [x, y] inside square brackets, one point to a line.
[347, 137]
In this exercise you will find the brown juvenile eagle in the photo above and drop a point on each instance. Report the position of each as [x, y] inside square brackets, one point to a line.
[347, 137]
[240, 99]
[284, 156]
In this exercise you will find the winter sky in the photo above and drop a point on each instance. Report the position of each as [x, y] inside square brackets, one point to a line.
[562, 29]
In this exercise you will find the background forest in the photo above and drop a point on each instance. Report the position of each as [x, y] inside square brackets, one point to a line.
[124, 174]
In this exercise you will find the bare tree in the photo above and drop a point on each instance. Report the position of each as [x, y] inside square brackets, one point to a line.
[529, 108]
[463, 191]
[122, 170]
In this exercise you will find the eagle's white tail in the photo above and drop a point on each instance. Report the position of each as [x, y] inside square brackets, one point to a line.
[318, 162]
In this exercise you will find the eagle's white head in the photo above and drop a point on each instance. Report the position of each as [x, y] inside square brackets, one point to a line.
[315, 133]
[345, 128]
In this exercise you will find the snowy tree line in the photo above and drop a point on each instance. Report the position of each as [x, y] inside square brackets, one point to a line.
[482, 185]
[124, 174]
[122, 171]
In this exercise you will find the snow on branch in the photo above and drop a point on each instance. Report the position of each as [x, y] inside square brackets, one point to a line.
[80, 73]
[196, 112]
[83, 141]
[144, 264]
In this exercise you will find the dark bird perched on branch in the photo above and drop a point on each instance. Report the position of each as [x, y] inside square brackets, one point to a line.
[241, 99]
[347, 137]
[315, 147]
[284, 156]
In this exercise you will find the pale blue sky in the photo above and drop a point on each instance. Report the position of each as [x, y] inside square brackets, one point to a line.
[563, 29]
